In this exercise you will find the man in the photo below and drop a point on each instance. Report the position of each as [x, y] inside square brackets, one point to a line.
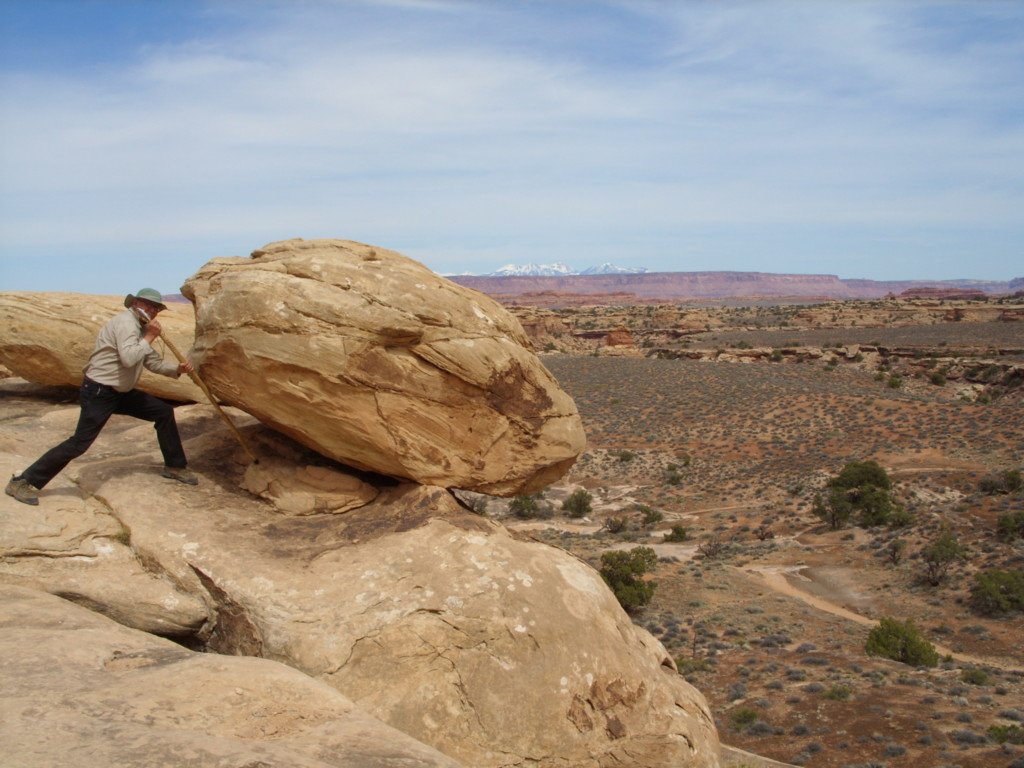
[122, 349]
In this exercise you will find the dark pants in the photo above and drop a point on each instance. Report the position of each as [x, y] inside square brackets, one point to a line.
[99, 403]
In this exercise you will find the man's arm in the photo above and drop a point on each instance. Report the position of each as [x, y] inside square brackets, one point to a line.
[131, 348]
[154, 362]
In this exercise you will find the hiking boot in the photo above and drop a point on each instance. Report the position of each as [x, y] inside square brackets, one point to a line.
[182, 475]
[20, 489]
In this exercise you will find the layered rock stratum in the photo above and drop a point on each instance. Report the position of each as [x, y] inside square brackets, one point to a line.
[370, 358]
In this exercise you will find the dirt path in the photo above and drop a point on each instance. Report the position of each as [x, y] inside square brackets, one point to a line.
[582, 529]
[922, 470]
[775, 577]
[748, 505]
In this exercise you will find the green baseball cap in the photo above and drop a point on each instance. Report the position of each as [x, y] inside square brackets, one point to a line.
[149, 294]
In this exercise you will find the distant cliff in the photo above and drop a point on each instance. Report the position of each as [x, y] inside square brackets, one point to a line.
[687, 285]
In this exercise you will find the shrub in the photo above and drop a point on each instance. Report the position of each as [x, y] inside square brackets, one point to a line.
[678, 533]
[837, 511]
[711, 547]
[624, 573]
[1006, 734]
[938, 378]
[578, 503]
[991, 485]
[940, 555]
[625, 455]
[525, 507]
[1012, 480]
[1005, 482]
[689, 666]
[903, 642]
[672, 477]
[838, 693]
[901, 517]
[760, 728]
[616, 524]
[975, 676]
[895, 381]
[987, 374]
[996, 593]
[861, 474]
[861, 487]
[894, 551]
[649, 516]
[737, 691]
[1010, 526]
[875, 506]
[743, 716]
[967, 736]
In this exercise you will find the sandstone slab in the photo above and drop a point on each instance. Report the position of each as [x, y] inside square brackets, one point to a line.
[371, 359]
[73, 546]
[493, 650]
[305, 489]
[47, 338]
[79, 689]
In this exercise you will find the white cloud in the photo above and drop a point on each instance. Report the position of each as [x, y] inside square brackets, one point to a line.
[483, 128]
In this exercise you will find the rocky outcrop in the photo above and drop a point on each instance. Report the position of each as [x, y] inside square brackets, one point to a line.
[493, 650]
[371, 359]
[620, 337]
[943, 294]
[48, 337]
[896, 313]
[79, 689]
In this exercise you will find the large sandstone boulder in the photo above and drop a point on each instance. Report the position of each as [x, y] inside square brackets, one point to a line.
[370, 358]
[494, 650]
[79, 689]
[48, 337]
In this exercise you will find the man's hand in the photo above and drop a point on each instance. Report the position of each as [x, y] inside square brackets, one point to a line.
[186, 367]
[153, 330]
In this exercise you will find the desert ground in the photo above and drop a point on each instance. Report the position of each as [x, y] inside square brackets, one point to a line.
[765, 608]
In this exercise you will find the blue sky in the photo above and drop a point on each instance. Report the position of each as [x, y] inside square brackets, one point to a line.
[138, 139]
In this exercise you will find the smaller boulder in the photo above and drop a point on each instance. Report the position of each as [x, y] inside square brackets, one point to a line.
[306, 490]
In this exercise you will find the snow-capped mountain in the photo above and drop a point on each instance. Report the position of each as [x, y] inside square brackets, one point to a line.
[611, 269]
[558, 269]
[533, 270]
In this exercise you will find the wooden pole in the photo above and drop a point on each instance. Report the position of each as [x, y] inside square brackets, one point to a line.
[199, 382]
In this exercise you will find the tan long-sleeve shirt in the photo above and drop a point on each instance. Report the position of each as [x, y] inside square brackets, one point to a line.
[121, 353]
